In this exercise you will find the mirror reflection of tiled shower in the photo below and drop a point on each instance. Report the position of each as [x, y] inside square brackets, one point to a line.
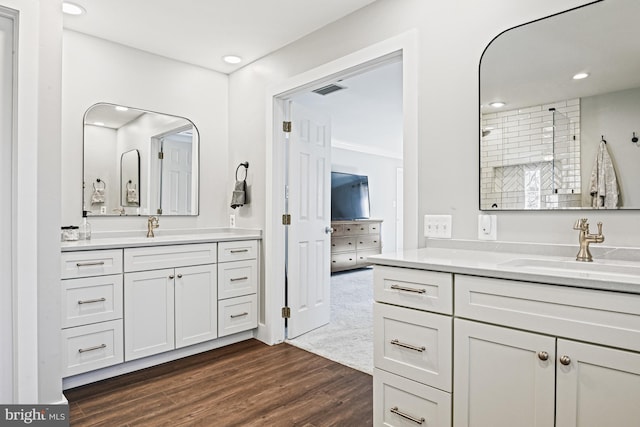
[530, 157]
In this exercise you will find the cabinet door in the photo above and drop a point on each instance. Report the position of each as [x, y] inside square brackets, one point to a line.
[501, 379]
[597, 386]
[148, 313]
[196, 315]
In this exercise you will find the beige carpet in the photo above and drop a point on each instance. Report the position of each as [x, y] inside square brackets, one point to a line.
[348, 338]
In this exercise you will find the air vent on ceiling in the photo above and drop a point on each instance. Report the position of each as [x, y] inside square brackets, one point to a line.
[326, 90]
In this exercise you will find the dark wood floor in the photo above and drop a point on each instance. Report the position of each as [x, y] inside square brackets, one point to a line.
[245, 384]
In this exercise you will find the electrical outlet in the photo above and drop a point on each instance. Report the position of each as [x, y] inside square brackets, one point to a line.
[487, 227]
[437, 226]
[103, 210]
[232, 220]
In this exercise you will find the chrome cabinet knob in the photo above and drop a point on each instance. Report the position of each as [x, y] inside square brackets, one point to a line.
[179, 276]
[565, 360]
[171, 276]
[543, 355]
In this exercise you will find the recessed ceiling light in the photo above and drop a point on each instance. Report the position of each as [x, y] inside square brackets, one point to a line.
[72, 8]
[121, 108]
[231, 59]
[497, 104]
[98, 123]
[580, 76]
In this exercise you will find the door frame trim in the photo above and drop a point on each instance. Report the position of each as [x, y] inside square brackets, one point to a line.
[271, 326]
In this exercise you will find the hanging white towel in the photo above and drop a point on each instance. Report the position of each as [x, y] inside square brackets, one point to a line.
[604, 184]
[98, 196]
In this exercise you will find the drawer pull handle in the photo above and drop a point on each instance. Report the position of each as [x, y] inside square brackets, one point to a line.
[403, 288]
[565, 360]
[89, 301]
[97, 347]
[543, 355]
[409, 346]
[235, 251]
[233, 316]
[396, 411]
[89, 264]
[236, 279]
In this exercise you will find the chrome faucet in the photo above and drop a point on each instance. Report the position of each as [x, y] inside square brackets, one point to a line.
[152, 222]
[585, 238]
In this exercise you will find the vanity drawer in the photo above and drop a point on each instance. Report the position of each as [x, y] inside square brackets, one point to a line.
[91, 300]
[158, 257]
[413, 344]
[237, 278]
[398, 401]
[420, 289]
[91, 263]
[608, 318]
[90, 347]
[346, 260]
[368, 241]
[236, 251]
[237, 315]
[340, 244]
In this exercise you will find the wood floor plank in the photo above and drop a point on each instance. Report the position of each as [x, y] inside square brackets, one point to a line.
[245, 384]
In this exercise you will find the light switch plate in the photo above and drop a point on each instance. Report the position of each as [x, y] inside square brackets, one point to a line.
[487, 227]
[437, 226]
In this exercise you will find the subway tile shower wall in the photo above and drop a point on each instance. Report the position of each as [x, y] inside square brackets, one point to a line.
[526, 163]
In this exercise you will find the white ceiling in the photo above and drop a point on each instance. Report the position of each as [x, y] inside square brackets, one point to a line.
[201, 32]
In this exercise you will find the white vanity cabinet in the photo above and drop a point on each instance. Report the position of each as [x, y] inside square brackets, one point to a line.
[237, 286]
[173, 307]
[91, 295]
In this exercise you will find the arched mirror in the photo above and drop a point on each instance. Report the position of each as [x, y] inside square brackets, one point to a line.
[552, 92]
[139, 162]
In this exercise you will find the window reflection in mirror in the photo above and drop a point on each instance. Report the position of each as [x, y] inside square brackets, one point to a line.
[138, 162]
[539, 150]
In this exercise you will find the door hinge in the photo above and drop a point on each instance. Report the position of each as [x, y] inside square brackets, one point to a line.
[159, 211]
[286, 219]
[160, 155]
[286, 313]
[286, 127]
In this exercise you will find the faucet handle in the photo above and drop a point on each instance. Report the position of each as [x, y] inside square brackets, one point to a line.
[599, 228]
[581, 224]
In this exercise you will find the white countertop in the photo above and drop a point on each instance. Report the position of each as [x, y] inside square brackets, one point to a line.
[140, 240]
[611, 275]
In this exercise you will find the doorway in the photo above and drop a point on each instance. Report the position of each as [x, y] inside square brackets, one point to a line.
[404, 46]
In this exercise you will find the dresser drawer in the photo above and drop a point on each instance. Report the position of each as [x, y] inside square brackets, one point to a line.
[338, 229]
[601, 317]
[91, 263]
[236, 251]
[237, 315]
[374, 228]
[91, 300]
[361, 258]
[90, 347]
[368, 241]
[398, 401]
[341, 244]
[237, 278]
[346, 260]
[421, 289]
[158, 257]
[413, 344]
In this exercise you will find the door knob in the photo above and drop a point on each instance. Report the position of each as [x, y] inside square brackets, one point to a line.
[328, 230]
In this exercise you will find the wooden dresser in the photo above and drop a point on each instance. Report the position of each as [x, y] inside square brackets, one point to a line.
[353, 241]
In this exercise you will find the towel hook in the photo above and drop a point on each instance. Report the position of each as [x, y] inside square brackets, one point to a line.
[602, 139]
[99, 181]
[246, 167]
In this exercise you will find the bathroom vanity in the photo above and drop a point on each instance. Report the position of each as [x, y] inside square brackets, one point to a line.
[471, 337]
[134, 302]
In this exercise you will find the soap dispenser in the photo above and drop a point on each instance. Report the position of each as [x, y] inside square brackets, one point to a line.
[85, 228]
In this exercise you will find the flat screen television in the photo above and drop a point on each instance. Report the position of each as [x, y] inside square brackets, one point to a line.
[349, 196]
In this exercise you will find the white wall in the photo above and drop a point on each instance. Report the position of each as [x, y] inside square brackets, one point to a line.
[614, 115]
[95, 70]
[452, 37]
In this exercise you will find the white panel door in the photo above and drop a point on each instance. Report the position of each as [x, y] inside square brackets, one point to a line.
[176, 177]
[308, 242]
[148, 313]
[501, 379]
[196, 304]
[6, 142]
[597, 386]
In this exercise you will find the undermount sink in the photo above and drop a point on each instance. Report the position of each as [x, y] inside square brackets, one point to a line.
[572, 266]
